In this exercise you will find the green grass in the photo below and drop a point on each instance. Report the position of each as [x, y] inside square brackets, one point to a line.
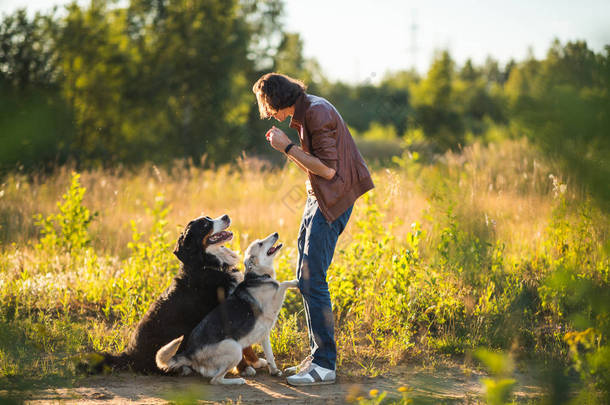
[477, 249]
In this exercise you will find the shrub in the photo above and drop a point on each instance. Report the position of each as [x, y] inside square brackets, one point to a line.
[68, 229]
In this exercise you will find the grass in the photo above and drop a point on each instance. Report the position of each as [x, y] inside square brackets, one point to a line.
[490, 247]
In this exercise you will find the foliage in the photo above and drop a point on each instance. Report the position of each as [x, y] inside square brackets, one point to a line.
[171, 79]
[444, 104]
[498, 389]
[289, 60]
[363, 104]
[144, 81]
[27, 57]
[562, 104]
[577, 289]
[132, 292]
[36, 129]
[380, 132]
[480, 249]
[374, 397]
[469, 241]
[35, 122]
[67, 229]
[184, 63]
[46, 299]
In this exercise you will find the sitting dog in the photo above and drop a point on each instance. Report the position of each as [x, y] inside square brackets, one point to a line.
[206, 277]
[246, 317]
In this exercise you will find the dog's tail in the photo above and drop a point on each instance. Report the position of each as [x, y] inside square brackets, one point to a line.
[97, 363]
[166, 356]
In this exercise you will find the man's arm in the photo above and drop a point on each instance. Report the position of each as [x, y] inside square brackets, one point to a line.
[310, 163]
[297, 162]
[278, 140]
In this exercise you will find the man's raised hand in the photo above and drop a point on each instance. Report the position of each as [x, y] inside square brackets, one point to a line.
[277, 138]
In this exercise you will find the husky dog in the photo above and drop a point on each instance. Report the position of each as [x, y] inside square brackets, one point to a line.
[244, 318]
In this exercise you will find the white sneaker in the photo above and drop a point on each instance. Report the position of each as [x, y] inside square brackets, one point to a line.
[296, 369]
[313, 375]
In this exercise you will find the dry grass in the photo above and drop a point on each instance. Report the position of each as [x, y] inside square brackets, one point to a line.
[503, 185]
[500, 195]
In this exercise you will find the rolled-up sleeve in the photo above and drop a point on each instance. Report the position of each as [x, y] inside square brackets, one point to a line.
[322, 127]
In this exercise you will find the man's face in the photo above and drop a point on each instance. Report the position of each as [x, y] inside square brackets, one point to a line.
[282, 114]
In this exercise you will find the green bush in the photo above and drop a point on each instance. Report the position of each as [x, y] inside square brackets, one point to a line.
[471, 269]
[69, 228]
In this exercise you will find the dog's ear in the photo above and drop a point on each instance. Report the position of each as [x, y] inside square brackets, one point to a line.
[250, 263]
[184, 247]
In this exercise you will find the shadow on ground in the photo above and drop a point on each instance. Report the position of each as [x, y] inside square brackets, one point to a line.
[447, 385]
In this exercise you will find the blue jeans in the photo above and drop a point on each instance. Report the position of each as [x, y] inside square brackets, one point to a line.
[316, 246]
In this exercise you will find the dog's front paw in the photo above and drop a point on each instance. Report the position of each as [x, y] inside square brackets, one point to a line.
[293, 283]
[260, 363]
[276, 372]
[248, 372]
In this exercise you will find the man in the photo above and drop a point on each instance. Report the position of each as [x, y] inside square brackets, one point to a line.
[337, 176]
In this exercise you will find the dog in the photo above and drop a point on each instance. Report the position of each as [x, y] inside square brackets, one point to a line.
[246, 317]
[206, 277]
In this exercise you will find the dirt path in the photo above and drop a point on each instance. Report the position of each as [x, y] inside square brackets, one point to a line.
[448, 385]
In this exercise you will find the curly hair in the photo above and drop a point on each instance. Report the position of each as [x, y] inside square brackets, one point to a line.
[275, 91]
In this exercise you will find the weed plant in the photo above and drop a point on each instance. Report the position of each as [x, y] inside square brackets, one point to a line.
[490, 247]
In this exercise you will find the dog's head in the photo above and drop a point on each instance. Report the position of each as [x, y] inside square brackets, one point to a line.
[202, 241]
[260, 254]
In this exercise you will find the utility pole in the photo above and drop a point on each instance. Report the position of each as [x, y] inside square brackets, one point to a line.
[413, 49]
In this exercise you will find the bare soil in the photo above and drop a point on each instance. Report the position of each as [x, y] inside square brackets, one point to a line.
[449, 385]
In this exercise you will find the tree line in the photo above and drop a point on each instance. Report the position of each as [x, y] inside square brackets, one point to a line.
[155, 80]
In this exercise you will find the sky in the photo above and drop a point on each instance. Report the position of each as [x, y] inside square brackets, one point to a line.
[356, 40]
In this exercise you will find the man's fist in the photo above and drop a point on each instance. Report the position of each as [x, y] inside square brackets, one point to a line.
[277, 138]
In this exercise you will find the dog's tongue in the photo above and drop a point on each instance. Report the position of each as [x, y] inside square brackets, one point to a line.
[272, 249]
[222, 235]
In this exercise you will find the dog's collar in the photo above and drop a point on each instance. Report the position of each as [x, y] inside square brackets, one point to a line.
[253, 276]
[256, 280]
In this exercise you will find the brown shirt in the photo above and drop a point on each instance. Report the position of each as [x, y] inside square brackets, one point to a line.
[324, 134]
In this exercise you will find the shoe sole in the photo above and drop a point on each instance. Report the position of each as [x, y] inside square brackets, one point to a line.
[305, 383]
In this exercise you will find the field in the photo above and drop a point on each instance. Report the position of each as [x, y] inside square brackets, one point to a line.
[488, 257]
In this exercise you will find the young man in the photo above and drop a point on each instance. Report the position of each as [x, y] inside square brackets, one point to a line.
[337, 176]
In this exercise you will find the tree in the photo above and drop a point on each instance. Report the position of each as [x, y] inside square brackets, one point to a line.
[491, 71]
[161, 79]
[98, 69]
[478, 98]
[35, 123]
[27, 54]
[435, 110]
[562, 104]
[468, 72]
[435, 89]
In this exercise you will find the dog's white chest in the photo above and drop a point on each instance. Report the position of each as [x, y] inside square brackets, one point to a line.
[266, 296]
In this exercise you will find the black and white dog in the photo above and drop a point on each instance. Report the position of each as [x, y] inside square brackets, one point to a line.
[245, 318]
[206, 277]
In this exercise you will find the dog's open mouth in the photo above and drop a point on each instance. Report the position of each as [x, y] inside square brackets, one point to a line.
[219, 237]
[273, 249]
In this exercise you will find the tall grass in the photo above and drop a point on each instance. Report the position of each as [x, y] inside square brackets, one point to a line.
[441, 257]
